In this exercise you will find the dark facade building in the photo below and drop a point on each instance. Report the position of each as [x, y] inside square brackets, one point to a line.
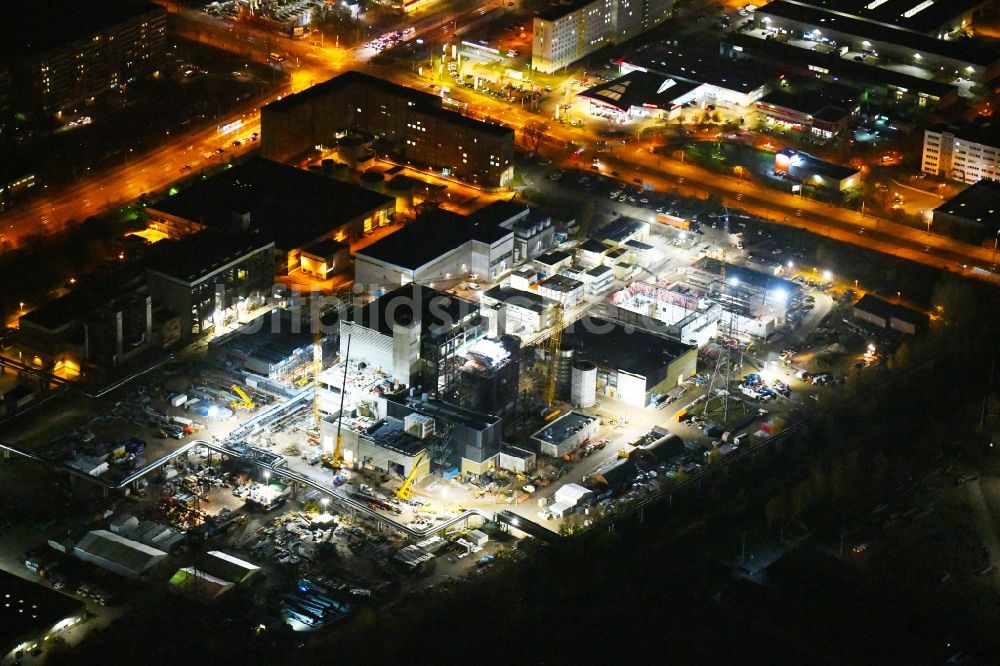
[972, 215]
[409, 125]
[61, 53]
[210, 278]
[296, 209]
[103, 322]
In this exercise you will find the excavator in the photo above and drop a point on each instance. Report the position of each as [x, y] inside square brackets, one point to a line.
[405, 491]
[244, 402]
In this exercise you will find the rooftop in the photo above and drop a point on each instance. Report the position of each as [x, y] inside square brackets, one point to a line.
[619, 229]
[268, 338]
[631, 349]
[290, 205]
[444, 410]
[961, 51]
[561, 283]
[979, 202]
[40, 25]
[325, 248]
[355, 82]
[640, 88]
[552, 258]
[886, 310]
[985, 131]
[389, 434]
[198, 256]
[563, 427]
[783, 55]
[915, 15]
[593, 245]
[30, 609]
[803, 164]
[746, 276]
[560, 10]
[435, 310]
[690, 63]
[528, 300]
[831, 103]
[90, 293]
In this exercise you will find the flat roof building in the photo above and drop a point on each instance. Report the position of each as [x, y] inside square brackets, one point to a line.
[411, 125]
[209, 277]
[967, 153]
[632, 364]
[565, 33]
[32, 613]
[815, 172]
[117, 554]
[825, 112]
[442, 245]
[964, 58]
[829, 66]
[883, 314]
[972, 215]
[292, 207]
[60, 53]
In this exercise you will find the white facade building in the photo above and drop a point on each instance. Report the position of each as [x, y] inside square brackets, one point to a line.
[966, 155]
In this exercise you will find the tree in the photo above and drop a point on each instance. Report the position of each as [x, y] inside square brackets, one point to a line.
[902, 356]
[776, 510]
[534, 132]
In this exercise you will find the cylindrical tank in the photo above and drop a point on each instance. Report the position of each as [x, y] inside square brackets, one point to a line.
[564, 371]
[373, 180]
[583, 389]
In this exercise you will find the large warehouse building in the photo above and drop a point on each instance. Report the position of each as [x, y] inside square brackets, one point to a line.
[409, 125]
[442, 245]
[888, 43]
[633, 365]
[294, 208]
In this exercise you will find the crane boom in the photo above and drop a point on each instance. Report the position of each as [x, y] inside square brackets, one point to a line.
[405, 491]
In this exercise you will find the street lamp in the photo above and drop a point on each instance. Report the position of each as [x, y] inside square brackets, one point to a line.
[324, 502]
[995, 240]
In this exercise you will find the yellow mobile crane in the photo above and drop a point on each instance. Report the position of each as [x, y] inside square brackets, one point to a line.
[336, 461]
[244, 402]
[405, 491]
[555, 341]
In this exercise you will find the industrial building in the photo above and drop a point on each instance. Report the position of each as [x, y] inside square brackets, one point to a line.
[210, 278]
[65, 53]
[812, 171]
[485, 376]
[889, 43]
[660, 79]
[826, 112]
[568, 32]
[467, 438]
[387, 446]
[687, 317]
[562, 289]
[566, 433]
[633, 364]
[758, 301]
[966, 154]
[32, 614]
[102, 322]
[300, 211]
[883, 314]
[516, 312]
[831, 67]
[275, 346]
[117, 554]
[972, 214]
[935, 19]
[409, 126]
[411, 333]
[441, 245]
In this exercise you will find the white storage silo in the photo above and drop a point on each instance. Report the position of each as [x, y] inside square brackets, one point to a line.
[583, 388]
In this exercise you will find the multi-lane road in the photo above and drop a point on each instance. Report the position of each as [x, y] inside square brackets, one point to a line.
[309, 63]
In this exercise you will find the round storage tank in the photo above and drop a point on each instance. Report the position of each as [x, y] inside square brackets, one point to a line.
[583, 389]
